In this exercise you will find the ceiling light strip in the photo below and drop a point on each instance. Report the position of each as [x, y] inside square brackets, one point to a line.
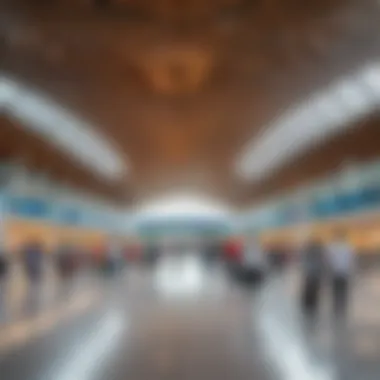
[318, 118]
[44, 117]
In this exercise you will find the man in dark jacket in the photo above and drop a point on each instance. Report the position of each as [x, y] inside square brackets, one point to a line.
[313, 265]
[3, 265]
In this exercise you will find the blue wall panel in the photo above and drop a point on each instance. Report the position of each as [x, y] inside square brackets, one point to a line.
[29, 207]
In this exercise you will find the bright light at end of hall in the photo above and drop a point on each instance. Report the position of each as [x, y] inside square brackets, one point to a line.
[182, 206]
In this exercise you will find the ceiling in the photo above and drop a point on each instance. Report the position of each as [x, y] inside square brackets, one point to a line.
[179, 86]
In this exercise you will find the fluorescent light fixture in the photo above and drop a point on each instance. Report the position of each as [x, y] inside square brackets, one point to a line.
[316, 119]
[42, 116]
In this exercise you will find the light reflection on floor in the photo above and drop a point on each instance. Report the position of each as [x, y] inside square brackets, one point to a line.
[184, 319]
[83, 362]
[26, 330]
[180, 277]
[285, 344]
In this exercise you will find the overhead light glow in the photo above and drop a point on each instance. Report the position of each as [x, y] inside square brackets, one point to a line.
[182, 206]
[184, 277]
[316, 119]
[42, 116]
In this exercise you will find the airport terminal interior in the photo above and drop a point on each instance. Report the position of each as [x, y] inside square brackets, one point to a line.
[189, 189]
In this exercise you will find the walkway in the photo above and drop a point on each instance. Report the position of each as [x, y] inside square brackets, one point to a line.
[184, 321]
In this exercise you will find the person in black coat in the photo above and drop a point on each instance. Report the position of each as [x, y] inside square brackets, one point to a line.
[3, 265]
[313, 263]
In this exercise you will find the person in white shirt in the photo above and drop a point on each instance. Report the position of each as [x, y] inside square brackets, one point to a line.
[341, 264]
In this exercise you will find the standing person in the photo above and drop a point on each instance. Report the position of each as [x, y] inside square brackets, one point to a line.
[233, 251]
[114, 255]
[63, 257]
[32, 255]
[4, 263]
[313, 265]
[341, 260]
[277, 255]
[255, 260]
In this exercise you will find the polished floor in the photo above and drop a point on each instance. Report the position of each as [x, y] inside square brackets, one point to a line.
[183, 320]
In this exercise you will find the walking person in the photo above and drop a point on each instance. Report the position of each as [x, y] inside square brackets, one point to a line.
[313, 267]
[341, 260]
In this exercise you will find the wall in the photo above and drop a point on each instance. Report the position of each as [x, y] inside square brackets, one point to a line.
[18, 231]
[350, 202]
[362, 229]
[31, 208]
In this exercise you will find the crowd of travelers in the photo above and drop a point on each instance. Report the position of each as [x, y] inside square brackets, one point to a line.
[320, 262]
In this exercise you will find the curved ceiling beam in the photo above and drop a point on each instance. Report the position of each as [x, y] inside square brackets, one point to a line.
[42, 116]
[316, 119]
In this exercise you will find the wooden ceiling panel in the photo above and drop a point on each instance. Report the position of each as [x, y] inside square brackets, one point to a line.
[180, 86]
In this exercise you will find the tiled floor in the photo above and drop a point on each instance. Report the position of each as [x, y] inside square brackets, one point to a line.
[181, 320]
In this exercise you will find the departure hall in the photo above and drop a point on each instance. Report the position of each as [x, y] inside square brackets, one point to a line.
[189, 189]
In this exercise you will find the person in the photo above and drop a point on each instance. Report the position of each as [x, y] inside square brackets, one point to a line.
[32, 255]
[255, 260]
[152, 253]
[211, 250]
[313, 265]
[100, 257]
[115, 257]
[64, 260]
[341, 258]
[233, 250]
[277, 255]
[3, 265]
